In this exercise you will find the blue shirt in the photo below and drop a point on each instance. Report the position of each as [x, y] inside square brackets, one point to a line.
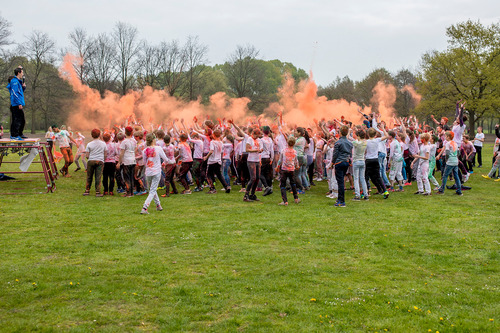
[16, 91]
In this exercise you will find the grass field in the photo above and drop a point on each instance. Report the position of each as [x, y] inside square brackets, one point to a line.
[215, 263]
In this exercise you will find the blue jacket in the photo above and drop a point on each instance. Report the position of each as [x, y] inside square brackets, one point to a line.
[16, 91]
[342, 150]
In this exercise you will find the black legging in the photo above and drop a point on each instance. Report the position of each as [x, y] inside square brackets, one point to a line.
[254, 172]
[373, 172]
[408, 161]
[266, 172]
[214, 169]
[108, 176]
[284, 175]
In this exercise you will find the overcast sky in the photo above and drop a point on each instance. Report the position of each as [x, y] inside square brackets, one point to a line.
[331, 38]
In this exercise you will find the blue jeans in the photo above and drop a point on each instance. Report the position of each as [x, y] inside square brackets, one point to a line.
[382, 162]
[340, 171]
[449, 169]
[226, 164]
[359, 177]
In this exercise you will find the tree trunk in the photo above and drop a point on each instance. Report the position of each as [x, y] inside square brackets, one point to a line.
[472, 124]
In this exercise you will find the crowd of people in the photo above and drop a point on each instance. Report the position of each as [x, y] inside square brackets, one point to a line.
[374, 157]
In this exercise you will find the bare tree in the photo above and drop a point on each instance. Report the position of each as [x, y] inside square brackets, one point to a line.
[101, 63]
[127, 47]
[149, 65]
[39, 49]
[82, 46]
[172, 64]
[4, 32]
[195, 57]
[241, 70]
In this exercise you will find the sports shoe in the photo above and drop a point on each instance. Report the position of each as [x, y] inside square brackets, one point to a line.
[17, 138]
[427, 194]
[297, 201]
[165, 195]
[159, 208]
[253, 197]
[144, 211]
[497, 180]
[339, 204]
[228, 189]
[197, 189]
[418, 192]
[86, 193]
[356, 199]
[77, 169]
[98, 194]
[213, 191]
[486, 177]
[300, 191]
[459, 194]
[23, 136]
[366, 198]
[386, 195]
[186, 192]
[408, 184]
[268, 191]
[283, 204]
[246, 198]
[471, 172]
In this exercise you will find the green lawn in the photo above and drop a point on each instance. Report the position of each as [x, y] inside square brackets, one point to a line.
[215, 263]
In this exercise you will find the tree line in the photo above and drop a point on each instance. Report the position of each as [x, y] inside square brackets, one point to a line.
[120, 61]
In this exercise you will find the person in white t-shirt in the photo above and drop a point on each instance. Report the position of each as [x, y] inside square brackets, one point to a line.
[214, 158]
[422, 158]
[478, 144]
[96, 154]
[63, 139]
[254, 149]
[127, 161]
[152, 156]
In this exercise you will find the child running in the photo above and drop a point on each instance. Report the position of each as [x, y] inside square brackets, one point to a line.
[152, 156]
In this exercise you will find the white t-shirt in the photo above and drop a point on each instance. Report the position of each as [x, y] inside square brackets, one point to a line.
[62, 138]
[216, 149]
[477, 142]
[228, 148]
[372, 146]
[152, 156]
[128, 145]
[458, 131]
[96, 149]
[254, 144]
[424, 149]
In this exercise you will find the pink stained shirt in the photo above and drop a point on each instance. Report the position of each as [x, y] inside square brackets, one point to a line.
[289, 159]
[152, 156]
[185, 152]
[112, 152]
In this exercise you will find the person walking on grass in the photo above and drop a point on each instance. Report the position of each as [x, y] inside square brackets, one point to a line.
[287, 164]
[342, 154]
[63, 139]
[152, 156]
[451, 151]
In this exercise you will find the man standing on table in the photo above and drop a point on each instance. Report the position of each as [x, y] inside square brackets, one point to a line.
[16, 89]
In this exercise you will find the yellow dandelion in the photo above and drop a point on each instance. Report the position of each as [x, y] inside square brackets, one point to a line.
[409, 310]
[17, 280]
[320, 316]
[429, 330]
[441, 318]
[312, 300]
[90, 268]
[135, 294]
[388, 302]
[415, 307]
[326, 316]
[491, 319]
[428, 311]
[90, 291]
[385, 329]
